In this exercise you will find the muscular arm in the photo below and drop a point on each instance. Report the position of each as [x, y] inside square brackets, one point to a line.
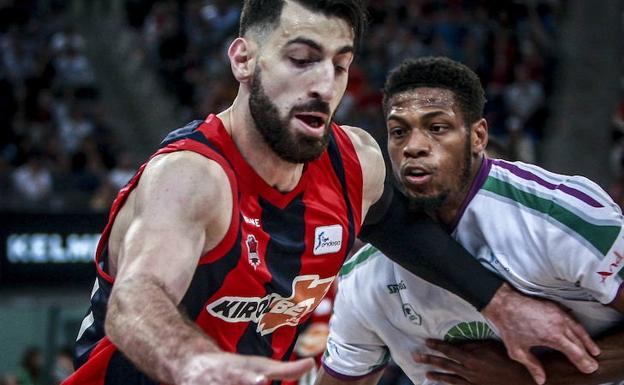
[182, 208]
[323, 378]
[157, 258]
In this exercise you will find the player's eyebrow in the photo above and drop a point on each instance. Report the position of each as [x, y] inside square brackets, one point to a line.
[399, 119]
[305, 41]
[314, 45]
[426, 116]
[433, 114]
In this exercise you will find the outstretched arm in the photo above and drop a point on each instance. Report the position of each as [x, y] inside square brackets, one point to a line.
[182, 208]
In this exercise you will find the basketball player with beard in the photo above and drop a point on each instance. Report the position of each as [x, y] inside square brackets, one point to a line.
[230, 235]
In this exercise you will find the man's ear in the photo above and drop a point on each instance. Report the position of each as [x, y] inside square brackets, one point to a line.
[242, 59]
[479, 136]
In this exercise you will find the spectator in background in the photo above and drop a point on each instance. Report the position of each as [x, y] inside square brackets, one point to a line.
[74, 129]
[64, 366]
[617, 153]
[123, 171]
[31, 367]
[524, 99]
[8, 379]
[33, 180]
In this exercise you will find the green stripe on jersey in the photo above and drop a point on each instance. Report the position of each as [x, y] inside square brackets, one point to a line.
[601, 237]
[366, 252]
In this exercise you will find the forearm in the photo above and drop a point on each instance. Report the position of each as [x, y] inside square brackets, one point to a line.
[417, 243]
[145, 324]
[611, 360]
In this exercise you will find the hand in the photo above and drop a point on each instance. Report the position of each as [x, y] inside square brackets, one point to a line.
[235, 369]
[476, 363]
[524, 322]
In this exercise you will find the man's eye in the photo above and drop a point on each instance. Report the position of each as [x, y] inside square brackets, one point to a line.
[397, 132]
[301, 62]
[438, 128]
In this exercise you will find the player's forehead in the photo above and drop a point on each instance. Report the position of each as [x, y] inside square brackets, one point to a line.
[423, 100]
[330, 32]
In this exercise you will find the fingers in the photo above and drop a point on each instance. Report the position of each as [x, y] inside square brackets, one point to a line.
[531, 362]
[585, 338]
[446, 378]
[439, 362]
[575, 352]
[277, 370]
[452, 352]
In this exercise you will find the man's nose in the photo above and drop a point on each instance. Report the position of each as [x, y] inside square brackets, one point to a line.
[417, 145]
[323, 80]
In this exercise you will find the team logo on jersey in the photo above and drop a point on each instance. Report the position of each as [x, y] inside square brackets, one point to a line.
[394, 288]
[274, 311]
[410, 314]
[613, 267]
[327, 239]
[252, 251]
[466, 331]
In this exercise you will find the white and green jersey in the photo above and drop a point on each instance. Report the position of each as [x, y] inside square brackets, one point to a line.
[548, 235]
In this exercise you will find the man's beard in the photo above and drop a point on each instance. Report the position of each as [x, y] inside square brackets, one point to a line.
[289, 146]
[431, 204]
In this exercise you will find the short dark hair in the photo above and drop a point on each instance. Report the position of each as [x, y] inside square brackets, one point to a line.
[266, 13]
[438, 72]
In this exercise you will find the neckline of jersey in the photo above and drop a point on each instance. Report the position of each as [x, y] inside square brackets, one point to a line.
[247, 172]
[477, 183]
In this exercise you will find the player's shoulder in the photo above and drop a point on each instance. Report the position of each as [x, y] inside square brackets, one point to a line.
[536, 184]
[361, 139]
[371, 161]
[184, 176]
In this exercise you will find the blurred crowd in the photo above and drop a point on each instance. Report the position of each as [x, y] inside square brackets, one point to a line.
[510, 44]
[57, 148]
[617, 149]
[31, 368]
[57, 151]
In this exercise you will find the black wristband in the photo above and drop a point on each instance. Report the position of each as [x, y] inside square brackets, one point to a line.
[420, 245]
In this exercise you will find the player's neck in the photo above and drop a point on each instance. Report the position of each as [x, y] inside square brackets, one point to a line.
[447, 214]
[276, 172]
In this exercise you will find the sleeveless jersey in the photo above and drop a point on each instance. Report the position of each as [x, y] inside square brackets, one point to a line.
[278, 259]
[548, 235]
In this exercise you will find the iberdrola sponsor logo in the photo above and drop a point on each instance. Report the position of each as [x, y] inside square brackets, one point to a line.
[465, 331]
[274, 311]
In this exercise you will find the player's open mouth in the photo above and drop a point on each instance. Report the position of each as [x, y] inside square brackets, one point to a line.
[312, 123]
[416, 176]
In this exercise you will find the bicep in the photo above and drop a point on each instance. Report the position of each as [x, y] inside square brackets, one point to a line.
[168, 229]
[324, 378]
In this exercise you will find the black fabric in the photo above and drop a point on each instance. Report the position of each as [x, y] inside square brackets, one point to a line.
[208, 279]
[336, 161]
[420, 245]
[120, 371]
[94, 333]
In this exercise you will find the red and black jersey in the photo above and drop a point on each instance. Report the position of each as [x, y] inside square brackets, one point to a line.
[277, 261]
